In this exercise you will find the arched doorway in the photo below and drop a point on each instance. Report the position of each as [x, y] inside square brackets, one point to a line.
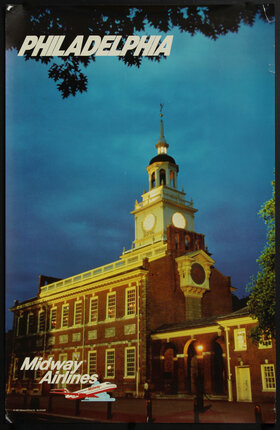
[218, 369]
[191, 367]
[170, 370]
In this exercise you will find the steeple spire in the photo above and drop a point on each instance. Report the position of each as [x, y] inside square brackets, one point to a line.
[162, 145]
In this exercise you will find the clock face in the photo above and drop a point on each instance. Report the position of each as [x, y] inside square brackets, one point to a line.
[149, 222]
[178, 220]
[197, 273]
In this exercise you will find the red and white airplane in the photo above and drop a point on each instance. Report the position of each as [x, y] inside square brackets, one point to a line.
[86, 392]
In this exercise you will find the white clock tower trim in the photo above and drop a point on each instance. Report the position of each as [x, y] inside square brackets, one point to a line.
[163, 204]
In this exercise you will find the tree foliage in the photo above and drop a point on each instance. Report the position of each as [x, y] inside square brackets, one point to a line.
[262, 300]
[212, 21]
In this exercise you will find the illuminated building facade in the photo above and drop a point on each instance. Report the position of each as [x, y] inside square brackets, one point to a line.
[151, 315]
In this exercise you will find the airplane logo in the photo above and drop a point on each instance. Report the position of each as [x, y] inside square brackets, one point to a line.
[96, 392]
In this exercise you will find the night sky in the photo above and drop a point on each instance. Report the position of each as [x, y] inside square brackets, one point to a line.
[75, 167]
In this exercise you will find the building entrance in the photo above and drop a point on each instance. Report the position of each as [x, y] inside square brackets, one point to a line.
[170, 372]
[243, 384]
[191, 364]
[218, 370]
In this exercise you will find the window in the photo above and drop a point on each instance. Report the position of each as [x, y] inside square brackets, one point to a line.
[111, 306]
[39, 342]
[64, 316]
[130, 329]
[172, 183]
[93, 313]
[63, 338]
[30, 323]
[187, 241]
[76, 337]
[162, 179]
[92, 362]
[92, 334]
[110, 363]
[268, 377]
[78, 313]
[41, 321]
[25, 374]
[62, 357]
[15, 369]
[240, 343]
[110, 332]
[153, 180]
[130, 363]
[53, 315]
[37, 373]
[265, 343]
[130, 301]
[20, 326]
[76, 356]
[51, 340]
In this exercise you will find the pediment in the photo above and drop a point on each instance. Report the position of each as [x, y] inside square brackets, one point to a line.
[199, 256]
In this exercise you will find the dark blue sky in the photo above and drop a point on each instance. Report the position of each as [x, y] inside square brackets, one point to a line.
[75, 167]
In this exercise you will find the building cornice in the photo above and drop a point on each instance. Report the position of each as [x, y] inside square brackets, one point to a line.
[229, 322]
[186, 332]
[67, 294]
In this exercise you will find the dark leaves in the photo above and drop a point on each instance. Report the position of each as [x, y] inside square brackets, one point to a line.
[211, 21]
[262, 300]
[69, 76]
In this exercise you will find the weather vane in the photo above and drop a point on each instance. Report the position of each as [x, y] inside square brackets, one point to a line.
[161, 107]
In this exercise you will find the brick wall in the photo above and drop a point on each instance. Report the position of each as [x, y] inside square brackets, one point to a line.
[166, 301]
[218, 300]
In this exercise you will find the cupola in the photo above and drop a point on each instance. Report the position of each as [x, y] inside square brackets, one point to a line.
[162, 168]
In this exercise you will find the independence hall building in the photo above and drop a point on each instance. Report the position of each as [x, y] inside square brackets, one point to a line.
[158, 314]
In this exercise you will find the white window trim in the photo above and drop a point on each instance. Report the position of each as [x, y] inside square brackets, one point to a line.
[37, 373]
[50, 324]
[125, 363]
[20, 317]
[92, 352]
[236, 348]
[66, 337]
[63, 356]
[27, 325]
[24, 376]
[42, 311]
[74, 333]
[52, 342]
[75, 313]
[111, 294]
[92, 299]
[75, 358]
[15, 367]
[106, 357]
[93, 338]
[63, 307]
[126, 302]
[264, 389]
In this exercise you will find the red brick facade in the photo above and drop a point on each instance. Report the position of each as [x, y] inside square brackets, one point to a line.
[162, 343]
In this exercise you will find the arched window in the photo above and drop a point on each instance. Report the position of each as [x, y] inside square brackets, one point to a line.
[162, 178]
[172, 181]
[153, 180]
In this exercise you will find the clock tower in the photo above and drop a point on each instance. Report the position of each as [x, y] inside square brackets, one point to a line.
[163, 204]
